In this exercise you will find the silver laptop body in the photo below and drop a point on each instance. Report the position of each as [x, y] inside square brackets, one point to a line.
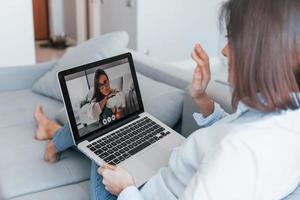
[120, 133]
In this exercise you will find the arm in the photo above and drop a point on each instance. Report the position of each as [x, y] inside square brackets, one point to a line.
[201, 78]
[124, 187]
[102, 103]
[196, 98]
[94, 110]
[217, 115]
[229, 173]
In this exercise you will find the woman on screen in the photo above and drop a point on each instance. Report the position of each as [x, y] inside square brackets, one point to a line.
[104, 101]
[105, 104]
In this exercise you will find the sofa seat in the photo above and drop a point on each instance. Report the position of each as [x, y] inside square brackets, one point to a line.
[17, 107]
[23, 172]
[22, 168]
[77, 191]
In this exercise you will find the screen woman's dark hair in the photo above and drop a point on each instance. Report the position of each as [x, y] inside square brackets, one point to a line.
[97, 95]
[264, 45]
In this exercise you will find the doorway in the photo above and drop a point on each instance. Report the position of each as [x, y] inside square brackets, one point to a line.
[41, 19]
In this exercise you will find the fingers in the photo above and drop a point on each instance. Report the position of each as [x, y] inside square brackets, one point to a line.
[202, 60]
[197, 59]
[200, 52]
[201, 69]
[104, 167]
[101, 170]
[108, 166]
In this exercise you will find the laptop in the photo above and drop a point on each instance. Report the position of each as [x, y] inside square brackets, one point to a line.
[107, 118]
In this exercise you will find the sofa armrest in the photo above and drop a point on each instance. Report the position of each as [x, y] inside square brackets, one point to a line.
[188, 124]
[218, 92]
[22, 77]
[162, 72]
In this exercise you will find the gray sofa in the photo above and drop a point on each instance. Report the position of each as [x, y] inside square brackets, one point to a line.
[23, 172]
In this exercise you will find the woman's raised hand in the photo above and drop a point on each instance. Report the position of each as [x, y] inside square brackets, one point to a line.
[202, 75]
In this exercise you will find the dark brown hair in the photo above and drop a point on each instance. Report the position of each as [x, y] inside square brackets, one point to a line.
[264, 45]
[97, 95]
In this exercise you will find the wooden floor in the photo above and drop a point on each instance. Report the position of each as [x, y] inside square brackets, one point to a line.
[47, 54]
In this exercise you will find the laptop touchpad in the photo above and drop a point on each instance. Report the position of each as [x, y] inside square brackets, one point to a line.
[155, 157]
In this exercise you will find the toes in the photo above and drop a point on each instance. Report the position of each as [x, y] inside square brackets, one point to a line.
[40, 134]
[51, 153]
[41, 109]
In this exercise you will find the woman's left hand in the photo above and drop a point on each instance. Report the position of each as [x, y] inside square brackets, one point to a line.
[115, 178]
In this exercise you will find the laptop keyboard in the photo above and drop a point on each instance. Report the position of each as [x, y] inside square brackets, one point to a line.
[128, 141]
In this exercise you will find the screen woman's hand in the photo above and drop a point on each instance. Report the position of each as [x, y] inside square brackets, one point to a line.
[202, 75]
[103, 102]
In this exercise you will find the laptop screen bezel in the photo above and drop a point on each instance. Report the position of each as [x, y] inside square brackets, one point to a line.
[67, 101]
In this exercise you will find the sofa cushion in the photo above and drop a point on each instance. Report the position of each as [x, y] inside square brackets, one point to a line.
[162, 101]
[18, 107]
[90, 51]
[78, 191]
[23, 169]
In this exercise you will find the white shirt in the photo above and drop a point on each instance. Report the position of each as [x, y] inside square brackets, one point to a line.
[245, 156]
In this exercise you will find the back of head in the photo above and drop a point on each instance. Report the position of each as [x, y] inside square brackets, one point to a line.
[264, 43]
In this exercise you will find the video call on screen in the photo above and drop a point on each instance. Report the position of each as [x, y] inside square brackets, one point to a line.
[102, 95]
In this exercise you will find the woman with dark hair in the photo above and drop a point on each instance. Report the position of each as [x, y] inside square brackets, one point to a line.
[255, 153]
[103, 101]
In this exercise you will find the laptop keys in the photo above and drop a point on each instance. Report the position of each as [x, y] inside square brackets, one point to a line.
[98, 152]
[93, 149]
[128, 141]
[139, 148]
[121, 158]
[110, 151]
[122, 151]
[103, 155]
[109, 158]
[115, 149]
[104, 148]
[126, 155]
[116, 161]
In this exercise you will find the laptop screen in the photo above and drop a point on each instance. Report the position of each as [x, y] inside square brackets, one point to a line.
[102, 95]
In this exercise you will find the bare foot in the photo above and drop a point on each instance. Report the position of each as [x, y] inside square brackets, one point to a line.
[45, 127]
[51, 153]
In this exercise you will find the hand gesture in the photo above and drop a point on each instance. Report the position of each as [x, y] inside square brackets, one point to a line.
[202, 75]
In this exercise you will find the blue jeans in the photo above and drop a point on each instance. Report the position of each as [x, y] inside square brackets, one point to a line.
[63, 140]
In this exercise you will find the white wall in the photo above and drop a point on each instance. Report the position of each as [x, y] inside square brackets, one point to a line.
[116, 16]
[170, 28]
[17, 33]
[56, 19]
[69, 7]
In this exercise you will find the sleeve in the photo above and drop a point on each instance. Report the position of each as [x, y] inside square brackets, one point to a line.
[218, 114]
[94, 110]
[116, 102]
[229, 174]
[130, 193]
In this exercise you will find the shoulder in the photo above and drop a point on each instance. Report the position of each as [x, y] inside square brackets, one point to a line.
[253, 134]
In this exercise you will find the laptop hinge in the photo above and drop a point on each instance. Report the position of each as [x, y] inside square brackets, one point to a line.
[111, 128]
